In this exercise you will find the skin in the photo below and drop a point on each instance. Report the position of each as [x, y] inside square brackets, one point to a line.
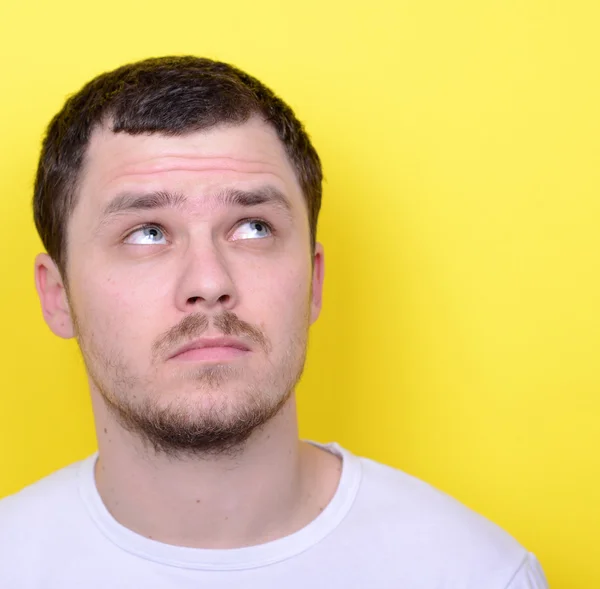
[203, 438]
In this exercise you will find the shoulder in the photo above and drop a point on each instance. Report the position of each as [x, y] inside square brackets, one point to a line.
[413, 518]
[39, 509]
[420, 504]
[36, 523]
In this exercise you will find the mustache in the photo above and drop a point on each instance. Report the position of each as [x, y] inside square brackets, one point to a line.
[193, 326]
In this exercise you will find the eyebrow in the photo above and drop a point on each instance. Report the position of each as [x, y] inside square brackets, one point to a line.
[133, 201]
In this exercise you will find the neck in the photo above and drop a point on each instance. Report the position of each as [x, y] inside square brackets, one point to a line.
[274, 486]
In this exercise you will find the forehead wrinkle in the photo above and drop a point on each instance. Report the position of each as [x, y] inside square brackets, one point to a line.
[198, 163]
[272, 181]
[125, 176]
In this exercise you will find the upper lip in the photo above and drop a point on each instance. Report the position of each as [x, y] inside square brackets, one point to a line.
[212, 342]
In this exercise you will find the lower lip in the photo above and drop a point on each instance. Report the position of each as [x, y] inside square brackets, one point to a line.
[216, 354]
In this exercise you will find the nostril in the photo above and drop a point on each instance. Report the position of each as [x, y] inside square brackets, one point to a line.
[223, 300]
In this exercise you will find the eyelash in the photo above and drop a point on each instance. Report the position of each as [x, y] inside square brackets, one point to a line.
[240, 222]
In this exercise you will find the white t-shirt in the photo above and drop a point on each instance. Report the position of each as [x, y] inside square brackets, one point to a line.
[383, 529]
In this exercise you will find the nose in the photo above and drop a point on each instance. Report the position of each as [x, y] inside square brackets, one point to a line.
[205, 282]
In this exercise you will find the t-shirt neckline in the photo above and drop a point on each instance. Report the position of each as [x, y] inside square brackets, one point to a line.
[226, 559]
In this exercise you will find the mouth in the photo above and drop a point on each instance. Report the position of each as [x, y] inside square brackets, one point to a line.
[219, 349]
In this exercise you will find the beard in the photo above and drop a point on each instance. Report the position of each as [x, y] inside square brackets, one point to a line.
[198, 410]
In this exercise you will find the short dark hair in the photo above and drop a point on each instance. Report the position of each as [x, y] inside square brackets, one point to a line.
[167, 95]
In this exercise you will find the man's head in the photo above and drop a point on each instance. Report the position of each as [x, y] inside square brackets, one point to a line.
[173, 96]
[178, 200]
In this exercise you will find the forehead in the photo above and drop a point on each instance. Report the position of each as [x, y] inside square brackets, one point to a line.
[249, 154]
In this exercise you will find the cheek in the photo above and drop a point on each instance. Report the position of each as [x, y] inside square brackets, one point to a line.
[283, 299]
[116, 307]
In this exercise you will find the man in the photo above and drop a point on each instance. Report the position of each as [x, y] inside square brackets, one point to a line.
[178, 199]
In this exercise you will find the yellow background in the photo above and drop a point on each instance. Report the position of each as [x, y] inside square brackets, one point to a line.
[461, 145]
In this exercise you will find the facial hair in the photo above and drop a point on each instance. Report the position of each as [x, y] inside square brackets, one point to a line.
[219, 421]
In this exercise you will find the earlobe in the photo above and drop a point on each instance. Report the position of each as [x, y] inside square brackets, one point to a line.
[317, 283]
[53, 297]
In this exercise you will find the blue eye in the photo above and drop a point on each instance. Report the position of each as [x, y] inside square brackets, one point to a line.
[147, 235]
[252, 229]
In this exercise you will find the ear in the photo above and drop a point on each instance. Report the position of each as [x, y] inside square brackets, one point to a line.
[53, 297]
[317, 283]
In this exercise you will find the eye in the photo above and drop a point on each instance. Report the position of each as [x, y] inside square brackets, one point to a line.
[146, 235]
[252, 229]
